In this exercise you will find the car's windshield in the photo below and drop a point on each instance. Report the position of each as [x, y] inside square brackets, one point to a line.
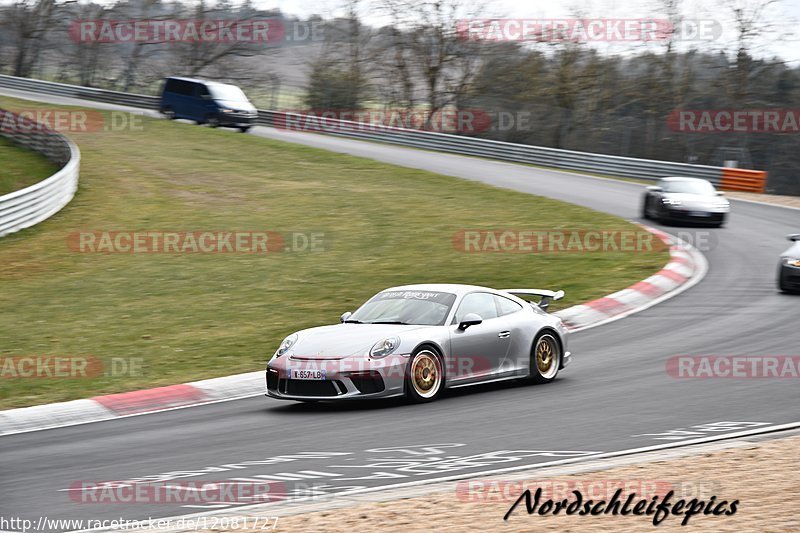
[688, 186]
[425, 308]
[230, 93]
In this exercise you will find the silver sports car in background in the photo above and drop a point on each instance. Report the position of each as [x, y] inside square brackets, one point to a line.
[789, 267]
[417, 340]
[685, 200]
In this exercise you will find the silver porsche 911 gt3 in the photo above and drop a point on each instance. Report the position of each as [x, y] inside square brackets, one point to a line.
[417, 340]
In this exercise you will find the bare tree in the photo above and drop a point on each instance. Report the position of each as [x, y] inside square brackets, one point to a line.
[195, 58]
[86, 61]
[339, 74]
[429, 47]
[27, 24]
[751, 21]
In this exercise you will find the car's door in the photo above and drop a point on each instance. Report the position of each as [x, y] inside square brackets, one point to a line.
[182, 98]
[478, 350]
[200, 102]
[523, 327]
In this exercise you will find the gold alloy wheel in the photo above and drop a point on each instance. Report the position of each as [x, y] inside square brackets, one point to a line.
[547, 356]
[426, 375]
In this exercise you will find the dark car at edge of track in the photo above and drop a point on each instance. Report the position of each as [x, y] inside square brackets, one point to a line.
[789, 267]
[685, 200]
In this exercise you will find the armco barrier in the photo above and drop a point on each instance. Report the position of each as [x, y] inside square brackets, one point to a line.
[76, 91]
[627, 167]
[31, 205]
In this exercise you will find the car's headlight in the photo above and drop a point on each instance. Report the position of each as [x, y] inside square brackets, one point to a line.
[384, 347]
[791, 261]
[286, 345]
[227, 110]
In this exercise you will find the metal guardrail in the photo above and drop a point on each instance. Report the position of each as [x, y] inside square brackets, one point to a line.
[77, 91]
[518, 153]
[31, 205]
[611, 165]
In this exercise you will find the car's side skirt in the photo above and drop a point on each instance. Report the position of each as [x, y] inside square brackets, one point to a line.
[513, 374]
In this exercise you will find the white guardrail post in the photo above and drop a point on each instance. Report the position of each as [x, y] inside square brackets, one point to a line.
[610, 165]
[31, 205]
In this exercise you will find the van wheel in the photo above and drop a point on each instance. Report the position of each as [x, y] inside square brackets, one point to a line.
[212, 121]
[244, 129]
[168, 113]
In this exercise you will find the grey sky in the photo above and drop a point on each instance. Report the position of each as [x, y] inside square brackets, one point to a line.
[781, 36]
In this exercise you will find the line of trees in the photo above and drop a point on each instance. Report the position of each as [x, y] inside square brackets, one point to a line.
[559, 94]
[38, 38]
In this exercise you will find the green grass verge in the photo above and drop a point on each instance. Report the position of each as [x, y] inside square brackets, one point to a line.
[21, 167]
[198, 316]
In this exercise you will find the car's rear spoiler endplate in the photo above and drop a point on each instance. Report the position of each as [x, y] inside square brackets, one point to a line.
[545, 295]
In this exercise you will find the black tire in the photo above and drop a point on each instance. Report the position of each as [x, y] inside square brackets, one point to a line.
[244, 129]
[212, 121]
[424, 383]
[784, 288]
[168, 113]
[540, 370]
[645, 214]
[662, 215]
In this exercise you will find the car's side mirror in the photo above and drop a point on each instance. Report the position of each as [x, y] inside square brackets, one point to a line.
[205, 96]
[654, 188]
[794, 237]
[345, 316]
[470, 319]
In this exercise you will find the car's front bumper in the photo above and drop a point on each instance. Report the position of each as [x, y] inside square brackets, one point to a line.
[697, 216]
[236, 120]
[349, 378]
[789, 277]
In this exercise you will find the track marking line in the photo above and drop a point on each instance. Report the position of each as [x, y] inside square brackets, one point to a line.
[456, 477]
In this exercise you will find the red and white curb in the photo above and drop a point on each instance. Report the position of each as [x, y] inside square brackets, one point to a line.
[131, 403]
[686, 267]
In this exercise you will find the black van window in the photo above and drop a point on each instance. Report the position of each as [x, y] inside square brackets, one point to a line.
[179, 87]
[187, 88]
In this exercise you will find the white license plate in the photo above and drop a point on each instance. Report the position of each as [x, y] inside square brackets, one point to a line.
[701, 214]
[310, 375]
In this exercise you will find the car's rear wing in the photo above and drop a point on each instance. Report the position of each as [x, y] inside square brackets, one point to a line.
[545, 296]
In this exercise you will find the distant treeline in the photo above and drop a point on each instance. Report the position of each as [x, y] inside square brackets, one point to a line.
[660, 102]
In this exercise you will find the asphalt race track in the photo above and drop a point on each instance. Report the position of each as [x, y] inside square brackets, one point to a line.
[616, 395]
